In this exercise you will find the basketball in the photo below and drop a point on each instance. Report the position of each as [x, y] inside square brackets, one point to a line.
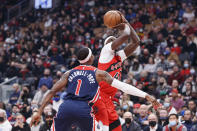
[112, 18]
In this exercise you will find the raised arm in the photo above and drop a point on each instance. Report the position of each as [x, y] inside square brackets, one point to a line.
[123, 37]
[56, 88]
[132, 46]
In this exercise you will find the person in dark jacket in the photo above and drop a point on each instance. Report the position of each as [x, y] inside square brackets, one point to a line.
[188, 120]
[20, 124]
[48, 122]
[130, 124]
[153, 124]
[163, 117]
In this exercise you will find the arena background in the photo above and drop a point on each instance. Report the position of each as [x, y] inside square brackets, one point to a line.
[39, 40]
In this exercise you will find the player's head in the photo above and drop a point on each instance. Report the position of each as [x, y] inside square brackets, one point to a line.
[85, 56]
[109, 39]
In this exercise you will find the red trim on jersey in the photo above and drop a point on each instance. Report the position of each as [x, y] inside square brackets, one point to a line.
[84, 67]
[96, 96]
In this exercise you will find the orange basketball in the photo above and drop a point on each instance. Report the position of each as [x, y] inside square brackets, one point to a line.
[112, 18]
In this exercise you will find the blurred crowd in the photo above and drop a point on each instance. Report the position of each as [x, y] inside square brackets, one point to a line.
[40, 46]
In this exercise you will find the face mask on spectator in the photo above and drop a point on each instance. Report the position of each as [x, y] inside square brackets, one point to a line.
[1, 119]
[14, 114]
[152, 123]
[163, 118]
[172, 123]
[186, 65]
[161, 83]
[192, 71]
[172, 64]
[175, 45]
[56, 99]
[125, 107]
[127, 120]
[166, 104]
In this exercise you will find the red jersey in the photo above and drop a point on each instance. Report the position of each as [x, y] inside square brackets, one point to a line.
[114, 68]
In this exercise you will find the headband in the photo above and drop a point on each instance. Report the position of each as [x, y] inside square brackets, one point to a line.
[105, 42]
[87, 58]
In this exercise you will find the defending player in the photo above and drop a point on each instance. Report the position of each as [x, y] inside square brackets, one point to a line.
[82, 92]
[111, 61]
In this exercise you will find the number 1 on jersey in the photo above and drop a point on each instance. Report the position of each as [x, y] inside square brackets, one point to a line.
[78, 87]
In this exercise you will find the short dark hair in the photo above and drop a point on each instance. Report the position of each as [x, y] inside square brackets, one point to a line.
[173, 115]
[83, 53]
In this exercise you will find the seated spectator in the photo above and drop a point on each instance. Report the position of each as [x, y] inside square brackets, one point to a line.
[174, 124]
[120, 114]
[136, 67]
[15, 111]
[153, 124]
[176, 75]
[4, 123]
[151, 66]
[126, 99]
[188, 93]
[57, 101]
[192, 106]
[176, 102]
[163, 63]
[162, 86]
[143, 118]
[163, 116]
[38, 98]
[46, 79]
[48, 120]
[188, 120]
[20, 124]
[15, 95]
[168, 106]
[130, 124]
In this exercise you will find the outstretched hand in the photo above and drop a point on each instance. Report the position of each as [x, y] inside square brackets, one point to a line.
[154, 102]
[35, 119]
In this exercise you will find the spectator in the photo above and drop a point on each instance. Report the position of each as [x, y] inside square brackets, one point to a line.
[143, 119]
[125, 100]
[176, 102]
[47, 79]
[174, 125]
[38, 98]
[163, 116]
[130, 124]
[153, 123]
[192, 106]
[57, 101]
[136, 67]
[48, 120]
[15, 95]
[20, 124]
[175, 76]
[151, 66]
[188, 119]
[168, 106]
[4, 123]
[15, 111]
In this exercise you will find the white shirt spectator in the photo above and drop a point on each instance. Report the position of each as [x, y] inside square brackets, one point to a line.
[57, 104]
[6, 126]
[38, 98]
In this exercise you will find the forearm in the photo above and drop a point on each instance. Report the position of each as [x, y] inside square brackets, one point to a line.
[134, 36]
[129, 89]
[46, 100]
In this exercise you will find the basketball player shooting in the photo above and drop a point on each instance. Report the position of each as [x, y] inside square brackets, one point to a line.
[111, 61]
[83, 89]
